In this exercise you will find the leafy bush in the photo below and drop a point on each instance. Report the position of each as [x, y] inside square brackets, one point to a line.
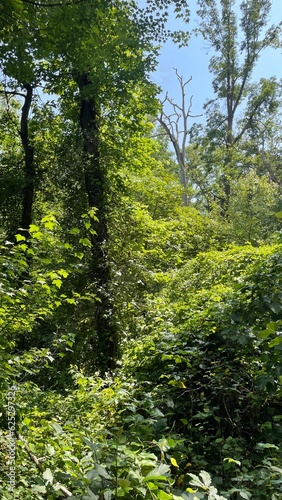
[217, 364]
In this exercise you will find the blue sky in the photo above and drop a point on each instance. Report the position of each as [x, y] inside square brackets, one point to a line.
[194, 59]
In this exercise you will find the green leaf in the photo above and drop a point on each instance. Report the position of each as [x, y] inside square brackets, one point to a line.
[93, 446]
[276, 307]
[71, 301]
[57, 428]
[91, 495]
[79, 255]
[197, 482]
[245, 494]
[20, 237]
[102, 471]
[276, 341]
[263, 446]
[159, 473]
[50, 449]
[162, 495]
[38, 488]
[107, 495]
[206, 478]
[231, 460]
[174, 463]
[37, 235]
[48, 476]
[124, 483]
[85, 242]
[63, 273]
[57, 282]
[270, 328]
[33, 228]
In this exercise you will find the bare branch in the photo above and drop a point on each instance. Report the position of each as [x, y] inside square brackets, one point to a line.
[39, 466]
[11, 92]
[55, 4]
[176, 127]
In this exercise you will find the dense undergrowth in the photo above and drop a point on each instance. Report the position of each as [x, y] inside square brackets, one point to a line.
[198, 389]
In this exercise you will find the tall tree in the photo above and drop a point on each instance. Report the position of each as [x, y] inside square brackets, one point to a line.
[101, 86]
[176, 126]
[95, 55]
[237, 42]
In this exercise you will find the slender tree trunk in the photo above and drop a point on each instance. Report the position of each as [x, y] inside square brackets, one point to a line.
[105, 332]
[183, 181]
[28, 191]
[225, 200]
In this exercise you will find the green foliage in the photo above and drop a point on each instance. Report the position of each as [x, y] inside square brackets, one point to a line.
[101, 440]
[253, 204]
[193, 408]
[216, 356]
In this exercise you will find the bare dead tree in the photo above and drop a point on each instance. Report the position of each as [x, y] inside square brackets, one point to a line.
[176, 127]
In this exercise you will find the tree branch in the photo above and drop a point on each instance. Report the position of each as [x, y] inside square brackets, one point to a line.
[35, 460]
[176, 127]
[11, 92]
[56, 4]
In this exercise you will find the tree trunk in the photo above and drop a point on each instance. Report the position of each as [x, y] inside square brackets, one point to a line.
[105, 338]
[28, 191]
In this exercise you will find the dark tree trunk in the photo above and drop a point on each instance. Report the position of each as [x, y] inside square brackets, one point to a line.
[28, 191]
[105, 332]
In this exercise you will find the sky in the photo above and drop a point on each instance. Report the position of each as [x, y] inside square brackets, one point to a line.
[194, 60]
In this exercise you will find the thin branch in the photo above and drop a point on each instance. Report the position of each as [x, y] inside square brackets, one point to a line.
[36, 461]
[59, 4]
[11, 92]
[176, 127]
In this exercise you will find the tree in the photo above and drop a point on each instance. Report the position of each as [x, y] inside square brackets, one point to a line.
[19, 81]
[55, 43]
[176, 127]
[100, 88]
[237, 43]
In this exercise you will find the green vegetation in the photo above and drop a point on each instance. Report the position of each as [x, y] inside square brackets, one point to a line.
[141, 293]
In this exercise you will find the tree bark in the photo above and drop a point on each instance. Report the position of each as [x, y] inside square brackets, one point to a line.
[28, 191]
[105, 332]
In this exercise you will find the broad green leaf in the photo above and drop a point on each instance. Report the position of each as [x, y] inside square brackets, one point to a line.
[85, 242]
[33, 228]
[50, 449]
[48, 476]
[124, 483]
[162, 495]
[39, 489]
[205, 476]
[245, 494]
[159, 473]
[102, 471]
[20, 237]
[57, 282]
[231, 460]
[58, 429]
[276, 307]
[276, 341]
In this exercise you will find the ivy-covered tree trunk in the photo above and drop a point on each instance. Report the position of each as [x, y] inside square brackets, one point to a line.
[105, 333]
